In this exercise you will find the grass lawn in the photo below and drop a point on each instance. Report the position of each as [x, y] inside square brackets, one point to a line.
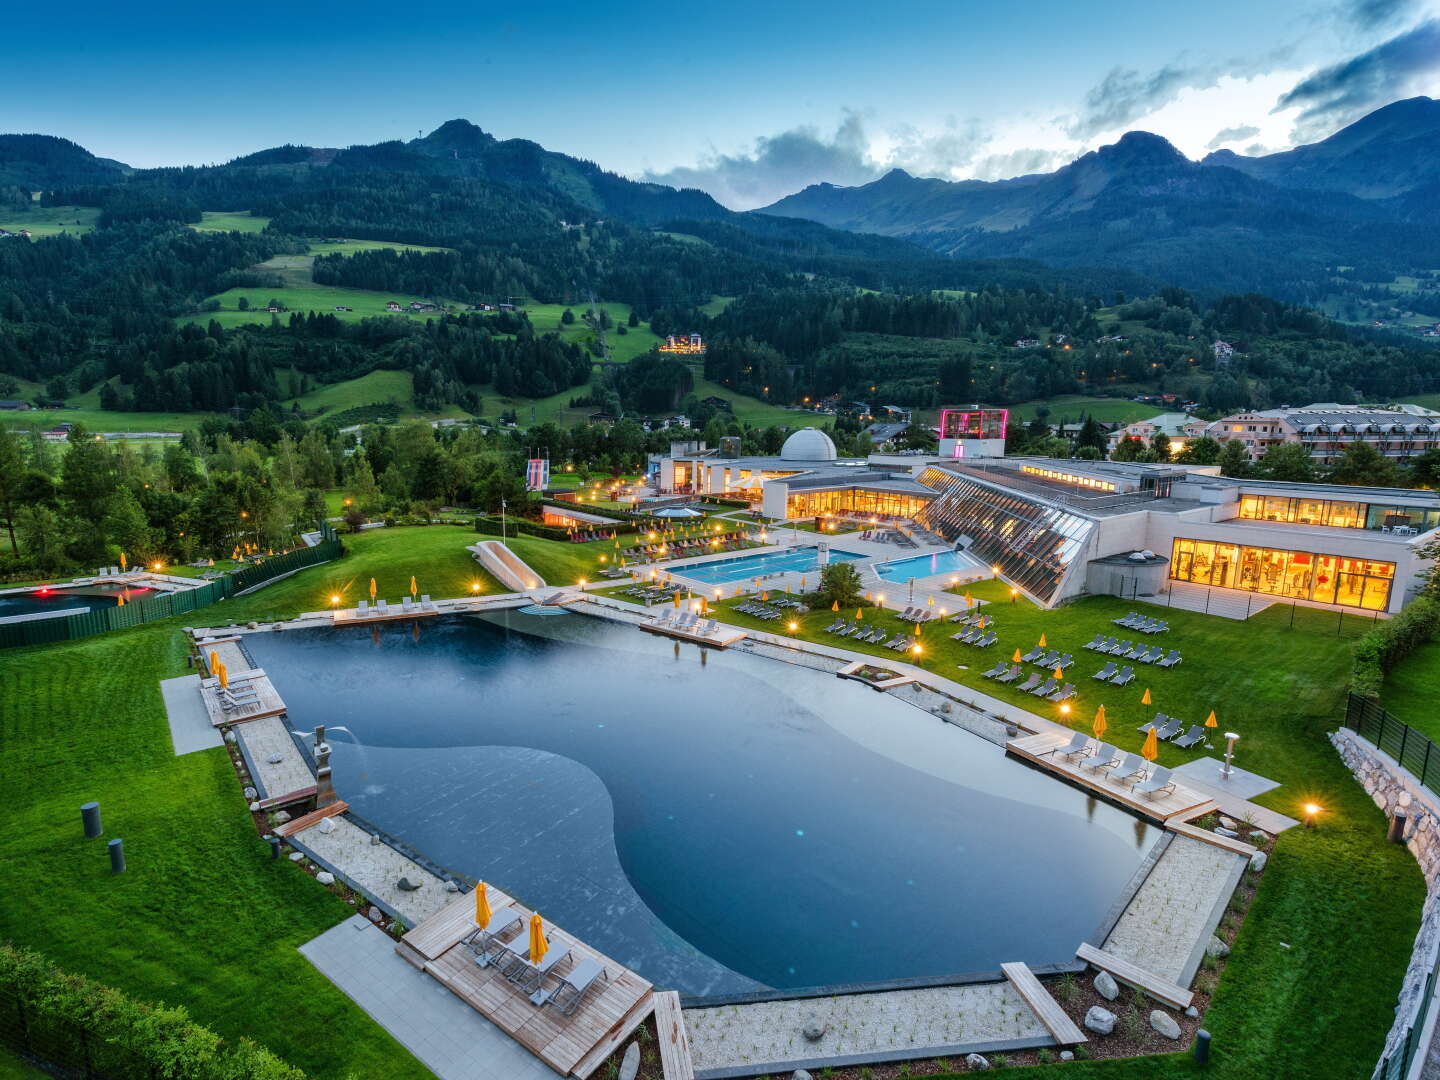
[623, 347]
[753, 411]
[45, 221]
[1071, 407]
[1319, 1004]
[1409, 690]
[12, 1068]
[98, 420]
[716, 305]
[225, 221]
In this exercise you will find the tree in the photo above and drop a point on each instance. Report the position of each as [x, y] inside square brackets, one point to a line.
[12, 470]
[1161, 445]
[633, 320]
[1128, 449]
[1288, 461]
[1201, 451]
[1234, 460]
[567, 317]
[1425, 469]
[840, 583]
[1091, 435]
[1361, 463]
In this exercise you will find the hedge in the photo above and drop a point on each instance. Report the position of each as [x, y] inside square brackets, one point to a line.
[492, 526]
[1392, 641]
[68, 1020]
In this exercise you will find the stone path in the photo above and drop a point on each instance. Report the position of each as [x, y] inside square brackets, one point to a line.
[1171, 917]
[766, 1037]
[451, 1039]
[190, 727]
[266, 738]
[374, 868]
[228, 653]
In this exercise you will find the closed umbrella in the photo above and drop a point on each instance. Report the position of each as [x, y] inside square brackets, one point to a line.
[372, 588]
[917, 629]
[677, 599]
[482, 906]
[414, 589]
[1210, 720]
[122, 560]
[859, 614]
[835, 606]
[1151, 750]
[1042, 641]
[1016, 657]
[537, 940]
[214, 661]
[1098, 728]
[224, 674]
[1059, 672]
[1145, 698]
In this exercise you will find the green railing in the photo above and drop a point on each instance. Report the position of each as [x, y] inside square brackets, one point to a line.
[101, 620]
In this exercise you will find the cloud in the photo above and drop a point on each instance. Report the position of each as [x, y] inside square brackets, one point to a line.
[778, 165]
[1232, 134]
[1019, 163]
[1125, 95]
[1372, 14]
[944, 154]
[1341, 93]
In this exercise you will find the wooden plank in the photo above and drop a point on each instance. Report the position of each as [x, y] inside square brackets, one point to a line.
[1239, 847]
[675, 1061]
[1204, 808]
[1038, 749]
[1134, 975]
[289, 797]
[290, 828]
[1062, 1029]
[613, 1039]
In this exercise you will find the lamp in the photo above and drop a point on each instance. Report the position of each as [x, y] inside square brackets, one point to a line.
[1310, 811]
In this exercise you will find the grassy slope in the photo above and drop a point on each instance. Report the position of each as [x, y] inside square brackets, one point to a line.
[98, 420]
[202, 917]
[50, 220]
[1409, 691]
[224, 221]
[1072, 407]
[1318, 1005]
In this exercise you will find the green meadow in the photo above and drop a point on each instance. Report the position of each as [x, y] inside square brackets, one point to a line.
[228, 221]
[49, 220]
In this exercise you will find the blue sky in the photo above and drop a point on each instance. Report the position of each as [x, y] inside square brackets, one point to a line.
[749, 100]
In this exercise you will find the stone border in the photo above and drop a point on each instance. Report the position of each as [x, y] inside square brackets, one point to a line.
[998, 1046]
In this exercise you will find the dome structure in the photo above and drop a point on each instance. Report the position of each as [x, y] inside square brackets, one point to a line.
[808, 444]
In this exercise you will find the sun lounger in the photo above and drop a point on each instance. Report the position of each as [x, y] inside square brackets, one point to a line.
[1126, 674]
[1010, 676]
[1077, 744]
[1105, 757]
[1150, 655]
[1105, 672]
[570, 990]
[1159, 722]
[1046, 688]
[1065, 693]
[998, 669]
[1125, 620]
[426, 603]
[1157, 627]
[380, 608]
[1121, 648]
[1033, 655]
[904, 646]
[989, 639]
[406, 605]
[1064, 661]
[362, 608]
[1190, 738]
[1171, 659]
[1158, 784]
[1132, 770]
[1172, 728]
[1049, 660]
[1095, 642]
[1030, 683]
[528, 976]
[484, 941]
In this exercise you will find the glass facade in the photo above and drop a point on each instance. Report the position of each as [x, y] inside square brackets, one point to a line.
[1337, 513]
[806, 504]
[1032, 543]
[1069, 478]
[1300, 575]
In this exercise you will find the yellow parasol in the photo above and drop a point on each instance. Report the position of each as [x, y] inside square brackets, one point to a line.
[867, 598]
[537, 940]
[1145, 698]
[122, 560]
[414, 589]
[917, 629]
[802, 584]
[677, 599]
[1016, 657]
[835, 606]
[968, 601]
[1042, 641]
[859, 614]
[214, 661]
[224, 675]
[931, 601]
[1059, 672]
[1210, 720]
[482, 906]
[372, 588]
[120, 602]
[1151, 750]
[1098, 728]
[765, 597]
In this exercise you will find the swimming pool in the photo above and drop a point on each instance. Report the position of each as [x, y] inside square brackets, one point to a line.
[722, 571]
[720, 827]
[57, 599]
[920, 566]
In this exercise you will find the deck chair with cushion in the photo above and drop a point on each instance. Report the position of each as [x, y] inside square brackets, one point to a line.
[1078, 743]
[1105, 757]
[1196, 734]
[1158, 784]
[1127, 673]
[1105, 672]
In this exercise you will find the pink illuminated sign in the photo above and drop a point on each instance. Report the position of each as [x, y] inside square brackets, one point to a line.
[973, 424]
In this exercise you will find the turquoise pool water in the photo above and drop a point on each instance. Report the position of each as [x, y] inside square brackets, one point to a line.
[55, 599]
[921, 566]
[722, 571]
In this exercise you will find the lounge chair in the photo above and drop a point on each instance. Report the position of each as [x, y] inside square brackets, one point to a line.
[1046, 688]
[1065, 693]
[1010, 676]
[1049, 660]
[834, 626]
[1126, 620]
[904, 646]
[1127, 673]
[998, 669]
[1105, 672]
[570, 990]
[1095, 642]
[484, 941]
[1064, 661]
[362, 608]
[1158, 784]
[1190, 738]
[426, 604]
[406, 605]
[1157, 627]
[1078, 742]
[1132, 770]
[1150, 655]
[989, 639]
[1172, 728]
[1136, 651]
[1105, 757]
[1159, 722]
[528, 976]
[1030, 683]
[380, 608]
[1033, 655]
[1171, 659]
[1120, 648]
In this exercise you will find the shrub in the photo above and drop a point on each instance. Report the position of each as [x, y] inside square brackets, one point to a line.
[1390, 642]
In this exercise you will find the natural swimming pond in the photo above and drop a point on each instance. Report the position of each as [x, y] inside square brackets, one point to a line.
[57, 599]
[721, 571]
[922, 566]
[718, 827]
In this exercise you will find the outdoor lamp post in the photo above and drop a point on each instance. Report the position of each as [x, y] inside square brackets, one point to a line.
[334, 601]
[1230, 740]
[1014, 595]
[1310, 811]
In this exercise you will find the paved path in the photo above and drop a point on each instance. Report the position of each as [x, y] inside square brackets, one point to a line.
[190, 727]
[1175, 911]
[765, 1037]
[451, 1039]
[269, 738]
[375, 868]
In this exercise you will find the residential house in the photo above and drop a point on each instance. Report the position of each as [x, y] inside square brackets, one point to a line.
[1398, 432]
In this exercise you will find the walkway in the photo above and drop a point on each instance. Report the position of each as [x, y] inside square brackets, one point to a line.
[451, 1039]
[278, 770]
[190, 727]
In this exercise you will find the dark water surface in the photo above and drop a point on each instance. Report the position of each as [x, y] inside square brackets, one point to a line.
[771, 825]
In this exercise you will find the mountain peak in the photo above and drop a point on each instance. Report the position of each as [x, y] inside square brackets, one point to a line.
[1141, 148]
[457, 134]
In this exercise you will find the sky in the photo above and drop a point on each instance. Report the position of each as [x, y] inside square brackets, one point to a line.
[749, 101]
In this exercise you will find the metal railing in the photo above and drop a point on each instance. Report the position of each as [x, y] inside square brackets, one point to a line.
[1412, 749]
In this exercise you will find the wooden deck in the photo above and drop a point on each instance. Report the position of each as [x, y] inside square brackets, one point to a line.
[675, 1060]
[571, 1045]
[723, 637]
[1041, 748]
[1062, 1029]
[1124, 971]
[392, 613]
[269, 703]
[300, 824]
[1184, 828]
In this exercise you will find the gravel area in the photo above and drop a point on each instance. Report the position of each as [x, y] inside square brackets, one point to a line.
[768, 1035]
[375, 868]
[268, 738]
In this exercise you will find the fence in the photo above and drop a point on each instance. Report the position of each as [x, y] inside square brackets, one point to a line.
[1409, 747]
[1396, 1065]
[101, 620]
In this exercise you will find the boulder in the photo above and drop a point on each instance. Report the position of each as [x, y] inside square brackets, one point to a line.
[799, 1074]
[1216, 948]
[1101, 1021]
[376, 915]
[1258, 860]
[1106, 986]
[406, 885]
[297, 856]
[814, 1028]
[1192, 1012]
[976, 1062]
[1067, 1055]
[375, 840]
[630, 1063]
[231, 737]
[254, 807]
[327, 826]
[1258, 837]
[325, 877]
[282, 816]
[1229, 822]
[451, 886]
[250, 794]
[253, 625]
[275, 759]
[1165, 1024]
[1220, 830]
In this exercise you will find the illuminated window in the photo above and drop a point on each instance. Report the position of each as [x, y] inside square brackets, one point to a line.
[1296, 575]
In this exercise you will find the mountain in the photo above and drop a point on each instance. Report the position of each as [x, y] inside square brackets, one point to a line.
[36, 162]
[1275, 224]
[1388, 153]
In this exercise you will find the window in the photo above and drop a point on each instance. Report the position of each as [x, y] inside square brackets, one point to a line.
[1296, 575]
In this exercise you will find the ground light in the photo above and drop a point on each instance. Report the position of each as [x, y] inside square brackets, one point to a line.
[1311, 809]
[1014, 594]
[794, 626]
[334, 601]
[581, 583]
[475, 586]
[1065, 708]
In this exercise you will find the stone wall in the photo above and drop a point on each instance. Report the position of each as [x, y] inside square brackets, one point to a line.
[1395, 788]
